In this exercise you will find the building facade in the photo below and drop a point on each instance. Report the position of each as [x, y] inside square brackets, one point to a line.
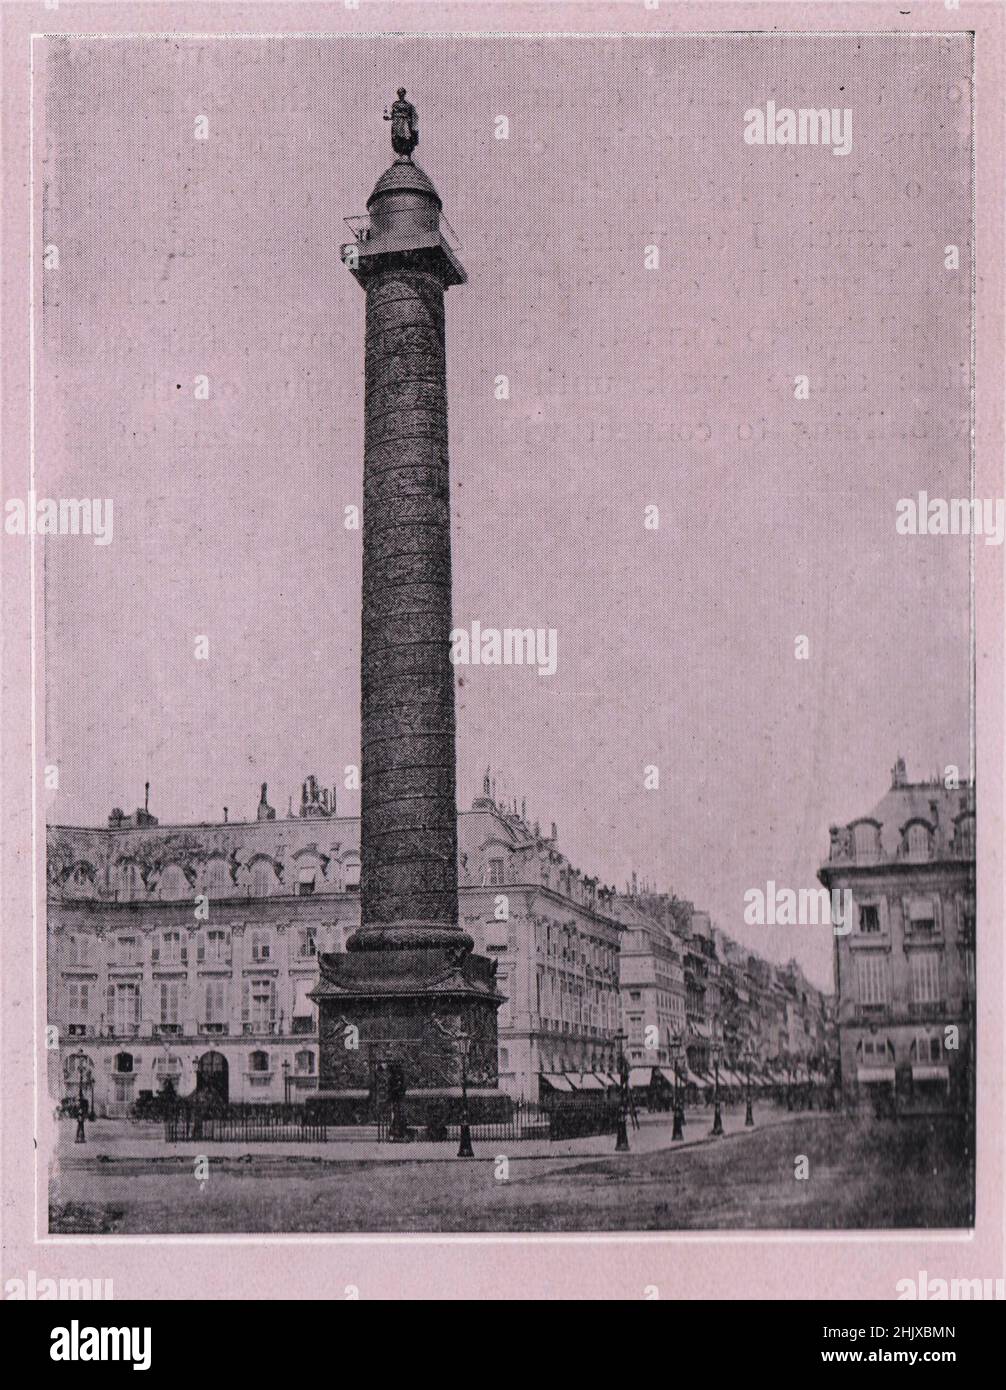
[905, 973]
[188, 954]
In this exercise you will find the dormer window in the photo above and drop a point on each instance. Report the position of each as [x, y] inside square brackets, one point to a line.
[866, 842]
[917, 842]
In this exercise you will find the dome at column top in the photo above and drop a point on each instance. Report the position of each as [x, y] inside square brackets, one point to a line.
[404, 177]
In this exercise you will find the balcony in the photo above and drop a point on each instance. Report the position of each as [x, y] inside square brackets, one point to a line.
[168, 1029]
[930, 1011]
[215, 1029]
[259, 1028]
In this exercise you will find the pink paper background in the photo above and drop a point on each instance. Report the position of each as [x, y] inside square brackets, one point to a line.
[746, 1265]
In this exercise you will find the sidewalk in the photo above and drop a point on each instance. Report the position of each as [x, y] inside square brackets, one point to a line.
[117, 1141]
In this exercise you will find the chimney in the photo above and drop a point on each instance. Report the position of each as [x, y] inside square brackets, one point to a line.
[899, 775]
[146, 797]
[225, 815]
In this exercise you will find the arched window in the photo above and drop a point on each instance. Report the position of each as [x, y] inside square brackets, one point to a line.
[258, 1061]
[918, 842]
[263, 878]
[218, 879]
[172, 884]
[130, 883]
[865, 837]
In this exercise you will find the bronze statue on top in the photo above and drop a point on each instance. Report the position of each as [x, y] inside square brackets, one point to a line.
[404, 120]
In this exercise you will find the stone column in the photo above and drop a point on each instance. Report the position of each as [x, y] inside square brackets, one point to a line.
[409, 827]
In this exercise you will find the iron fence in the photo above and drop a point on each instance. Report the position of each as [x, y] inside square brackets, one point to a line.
[527, 1120]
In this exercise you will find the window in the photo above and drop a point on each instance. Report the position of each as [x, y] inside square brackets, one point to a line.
[173, 884]
[77, 950]
[170, 950]
[261, 945]
[918, 842]
[307, 942]
[258, 1061]
[926, 977]
[303, 1008]
[865, 840]
[495, 872]
[76, 995]
[873, 980]
[124, 1063]
[965, 837]
[259, 1010]
[263, 877]
[926, 1049]
[352, 876]
[215, 947]
[303, 1063]
[215, 999]
[125, 950]
[131, 884]
[170, 995]
[124, 1006]
[305, 882]
[218, 879]
[504, 1059]
[869, 918]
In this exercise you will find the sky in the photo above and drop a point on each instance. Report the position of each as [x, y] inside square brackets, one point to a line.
[634, 381]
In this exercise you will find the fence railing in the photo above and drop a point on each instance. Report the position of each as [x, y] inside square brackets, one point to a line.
[527, 1120]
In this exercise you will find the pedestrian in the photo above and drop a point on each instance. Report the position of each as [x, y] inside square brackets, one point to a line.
[81, 1137]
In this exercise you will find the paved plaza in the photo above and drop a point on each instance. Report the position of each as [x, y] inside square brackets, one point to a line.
[857, 1173]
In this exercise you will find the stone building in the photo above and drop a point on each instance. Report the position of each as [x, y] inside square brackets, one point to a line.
[189, 952]
[905, 973]
[652, 984]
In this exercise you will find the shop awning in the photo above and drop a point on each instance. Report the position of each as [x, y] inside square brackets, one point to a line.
[667, 1073]
[640, 1076]
[874, 1074]
[587, 1081]
[701, 1030]
[556, 1081]
[696, 1078]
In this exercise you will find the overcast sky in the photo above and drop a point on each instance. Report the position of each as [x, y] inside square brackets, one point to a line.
[629, 387]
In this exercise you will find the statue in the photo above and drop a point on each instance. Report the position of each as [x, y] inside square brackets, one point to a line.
[404, 125]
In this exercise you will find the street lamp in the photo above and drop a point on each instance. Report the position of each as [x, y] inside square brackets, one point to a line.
[463, 1042]
[80, 1059]
[717, 1052]
[677, 1054]
[747, 1057]
[286, 1080]
[622, 1133]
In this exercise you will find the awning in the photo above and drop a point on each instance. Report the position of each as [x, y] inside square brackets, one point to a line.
[874, 1074]
[696, 1078]
[931, 1072]
[587, 1081]
[667, 1073]
[608, 1079]
[701, 1030]
[557, 1082]
[640, 1076]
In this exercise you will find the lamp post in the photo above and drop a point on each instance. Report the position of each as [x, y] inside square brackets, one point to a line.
[80, 1059]
[286, 1080]
[463, 1040]
[717, 1052]
[622, 1133]
[677, 1053]
[747, 1056]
